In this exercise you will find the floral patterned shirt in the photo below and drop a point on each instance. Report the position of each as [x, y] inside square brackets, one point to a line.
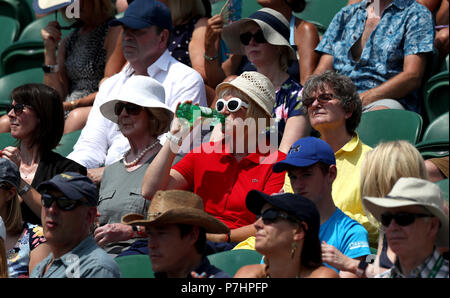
[288, 103]
[19, 256]
[405, 28]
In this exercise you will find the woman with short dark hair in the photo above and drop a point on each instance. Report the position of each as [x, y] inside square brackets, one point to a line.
[36, 120]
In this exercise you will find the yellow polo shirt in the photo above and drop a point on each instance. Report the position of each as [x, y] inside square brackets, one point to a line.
[346, 187]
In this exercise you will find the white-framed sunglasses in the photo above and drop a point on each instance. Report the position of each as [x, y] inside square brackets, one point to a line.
[233, 104]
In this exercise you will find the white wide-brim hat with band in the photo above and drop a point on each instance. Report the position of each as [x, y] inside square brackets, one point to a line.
[412, 192]
[46, 6]
[256, 86]
[142, 91]
[177, 207]
[274, 27]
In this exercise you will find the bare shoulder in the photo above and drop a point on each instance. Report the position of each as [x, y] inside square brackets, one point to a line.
[251, 271]
[323, 272]
[305, 27]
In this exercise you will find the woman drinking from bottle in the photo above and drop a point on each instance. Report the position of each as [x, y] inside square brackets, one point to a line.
[222, 173]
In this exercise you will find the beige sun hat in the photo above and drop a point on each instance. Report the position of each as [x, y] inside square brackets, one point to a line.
[142, 91]
[177, 207]
[274, 27]
[412, 192]
[256, 86]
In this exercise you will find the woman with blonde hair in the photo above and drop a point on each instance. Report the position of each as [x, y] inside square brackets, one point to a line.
[380, 170]
[24, 242]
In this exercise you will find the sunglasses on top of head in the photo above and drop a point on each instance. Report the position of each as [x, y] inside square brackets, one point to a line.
[233, 104]
[62, 202]
[272, 215]
[131, 108]
[18, 108]
[258, 37]
[402, 218]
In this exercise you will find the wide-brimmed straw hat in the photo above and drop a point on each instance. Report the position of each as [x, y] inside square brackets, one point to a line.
[142, 91]
[256, 86]
[274, 27]
[177, 207]
[412, 192]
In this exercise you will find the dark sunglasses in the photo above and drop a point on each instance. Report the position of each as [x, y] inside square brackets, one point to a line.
[233, 104]
[402, 219]
[322, 98]
[131, 108]
[272, 215]
[18, 108]
[63, 203]
[257, 37]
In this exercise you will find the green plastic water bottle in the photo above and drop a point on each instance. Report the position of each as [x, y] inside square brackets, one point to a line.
[191, 112]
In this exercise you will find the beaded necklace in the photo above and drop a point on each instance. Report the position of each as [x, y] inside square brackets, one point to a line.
[138, 158]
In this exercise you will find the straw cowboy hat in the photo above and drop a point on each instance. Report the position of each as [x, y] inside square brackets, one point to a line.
[142, 91]
[274, 27]
[177, 207]
[256, 86]
[412, 192]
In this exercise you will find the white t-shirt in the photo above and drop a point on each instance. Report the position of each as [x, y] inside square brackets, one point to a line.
[101, 141]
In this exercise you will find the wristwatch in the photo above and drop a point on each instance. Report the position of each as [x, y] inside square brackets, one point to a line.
[50, 68]
[24, 190]
[361, 268]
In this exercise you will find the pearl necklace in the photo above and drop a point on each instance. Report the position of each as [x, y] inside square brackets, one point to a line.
[138, 158]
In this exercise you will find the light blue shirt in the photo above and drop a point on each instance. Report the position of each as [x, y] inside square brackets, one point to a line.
[85, 260]
[346, 234]
[405, 28]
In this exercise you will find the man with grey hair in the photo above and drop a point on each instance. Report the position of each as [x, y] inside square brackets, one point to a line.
[415, 224]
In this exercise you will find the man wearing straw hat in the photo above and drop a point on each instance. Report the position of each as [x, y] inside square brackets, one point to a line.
[414, 223]
[176, 226]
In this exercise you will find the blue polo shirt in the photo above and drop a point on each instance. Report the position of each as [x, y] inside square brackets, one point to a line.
[85, 260]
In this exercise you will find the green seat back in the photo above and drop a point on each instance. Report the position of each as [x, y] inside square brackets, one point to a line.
[435, 140]
[389, 125]
[17, 9]
[32, 32]
[22, 55]
[248, 7]
[436, 95]
[321, 12]
[8, 32]
[135, 266]
[9, 82]
[443, 185]
[232, 260]
[6, 140]
[67, 142]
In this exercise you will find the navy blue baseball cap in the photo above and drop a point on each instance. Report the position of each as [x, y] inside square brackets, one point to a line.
[296, 205]
[306, 152]
[141, 14]
[9, 173]
[74, 186]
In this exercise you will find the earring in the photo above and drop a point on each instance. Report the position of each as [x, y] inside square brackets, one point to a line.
[293, 249]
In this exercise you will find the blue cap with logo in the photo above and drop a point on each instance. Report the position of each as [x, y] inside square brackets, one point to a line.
[74, 186]
[141, 14]
[306, 152]
[9, 173]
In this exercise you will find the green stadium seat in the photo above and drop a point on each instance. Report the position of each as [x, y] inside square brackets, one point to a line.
[389, 125]
[232, 260]
[6, 140]
[67, 142]
[435, 140]
[436, 95]
[17, 9]
[32, 32]
[9, 82]
[321, 12]
[135, 266]
[9, 32]
[22, 55]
